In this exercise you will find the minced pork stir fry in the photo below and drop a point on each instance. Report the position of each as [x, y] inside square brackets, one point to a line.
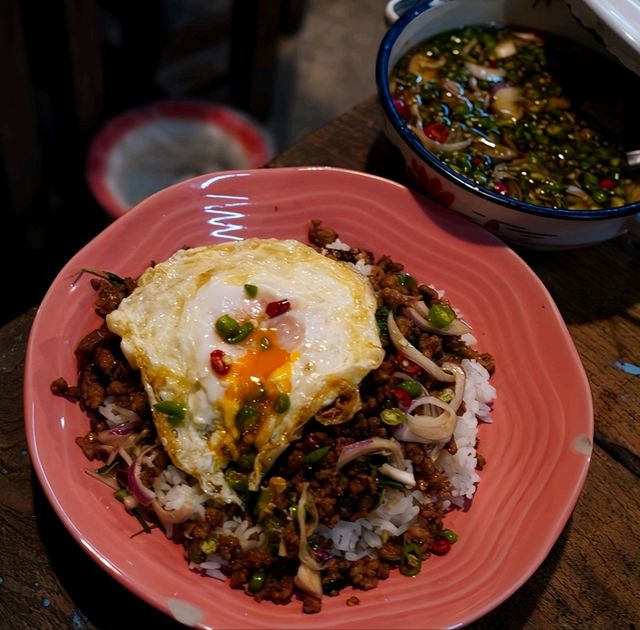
[345, 504]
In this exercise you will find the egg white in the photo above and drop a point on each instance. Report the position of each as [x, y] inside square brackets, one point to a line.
[323, 346]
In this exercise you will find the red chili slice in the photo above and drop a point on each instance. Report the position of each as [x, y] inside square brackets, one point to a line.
[408, 366]
[607, 184]
[500, 187]
[440, 546]
[402, 109]
[218, 364]
[273, 309]
[403, 398]
[437, 132]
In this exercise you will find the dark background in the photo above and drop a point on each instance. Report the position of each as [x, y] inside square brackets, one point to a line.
[67, 66]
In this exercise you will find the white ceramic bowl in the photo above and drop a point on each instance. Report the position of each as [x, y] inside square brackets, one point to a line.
[616, 23]
[516, 222]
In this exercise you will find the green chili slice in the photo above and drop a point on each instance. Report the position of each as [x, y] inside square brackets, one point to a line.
[316, 456]
[440, 315]
[245, 417]
[392, 416]
[209, 546]
[103, 470]
[251, 290]
[282, 403]
[120, 494]
[406, 281]
[410, 560]
[449, 534]
[237, 481]
[256, 583]
[381, 319]
[227, 327]
[411, 387]
[246, 460]
[243, 332]
[174, 411]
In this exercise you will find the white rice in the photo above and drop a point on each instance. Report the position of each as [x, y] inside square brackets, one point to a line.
[362, 537]
[398, 510]
[339, 245]
[174, 492]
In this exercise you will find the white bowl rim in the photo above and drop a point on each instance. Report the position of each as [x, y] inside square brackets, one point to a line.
[382, 73]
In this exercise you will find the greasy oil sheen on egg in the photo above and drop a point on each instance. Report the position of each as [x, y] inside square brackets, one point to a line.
[287, 369]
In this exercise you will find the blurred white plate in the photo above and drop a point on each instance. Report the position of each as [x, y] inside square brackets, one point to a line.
[144, 150]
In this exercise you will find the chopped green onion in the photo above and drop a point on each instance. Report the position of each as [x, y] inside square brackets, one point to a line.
[449, 534]
[411, 387]
[410, 560]
[246, 460]
[237, 481]
[243, 332]
[256, 583]
[392, 416]
[103, 470]
[381, 319]
[446, 394]
[245, 417]
[406, 281]
[209, 546]
[316, 456]
[121, 494]
[251, 290]
[282, 403]
[145, 526]
[383, 480]
[265, 343]
[227, 327]
[174, 411]
[441, 315]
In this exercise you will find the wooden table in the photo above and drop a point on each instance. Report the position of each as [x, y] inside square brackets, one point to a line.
[589, 579]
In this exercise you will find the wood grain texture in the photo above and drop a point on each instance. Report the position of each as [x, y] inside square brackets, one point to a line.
[590, 578]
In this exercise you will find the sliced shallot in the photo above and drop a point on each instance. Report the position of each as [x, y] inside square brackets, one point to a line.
[403, 346]
[402, 476]
[439, 147]
[307, 506]
[171, 517]
[508, 102]
[144, 495]
[390, 448]
[428, 428]
[308, 580]
[119, 432]
[461, 377]
[307, 577]
[419, 312]
[486, 73]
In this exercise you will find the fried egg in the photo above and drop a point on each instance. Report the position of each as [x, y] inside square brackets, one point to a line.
[240, 344]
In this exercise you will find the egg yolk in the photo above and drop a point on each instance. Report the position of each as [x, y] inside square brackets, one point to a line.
[255, 382]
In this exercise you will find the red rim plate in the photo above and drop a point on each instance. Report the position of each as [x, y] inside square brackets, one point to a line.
[256, 145]
[537, 449]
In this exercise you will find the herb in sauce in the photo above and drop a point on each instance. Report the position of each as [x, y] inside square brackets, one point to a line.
[488, 102]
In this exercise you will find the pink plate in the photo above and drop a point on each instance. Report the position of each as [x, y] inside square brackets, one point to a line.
[537, 450]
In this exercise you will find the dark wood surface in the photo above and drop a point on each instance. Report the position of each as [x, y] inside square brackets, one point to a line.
[590, 577]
